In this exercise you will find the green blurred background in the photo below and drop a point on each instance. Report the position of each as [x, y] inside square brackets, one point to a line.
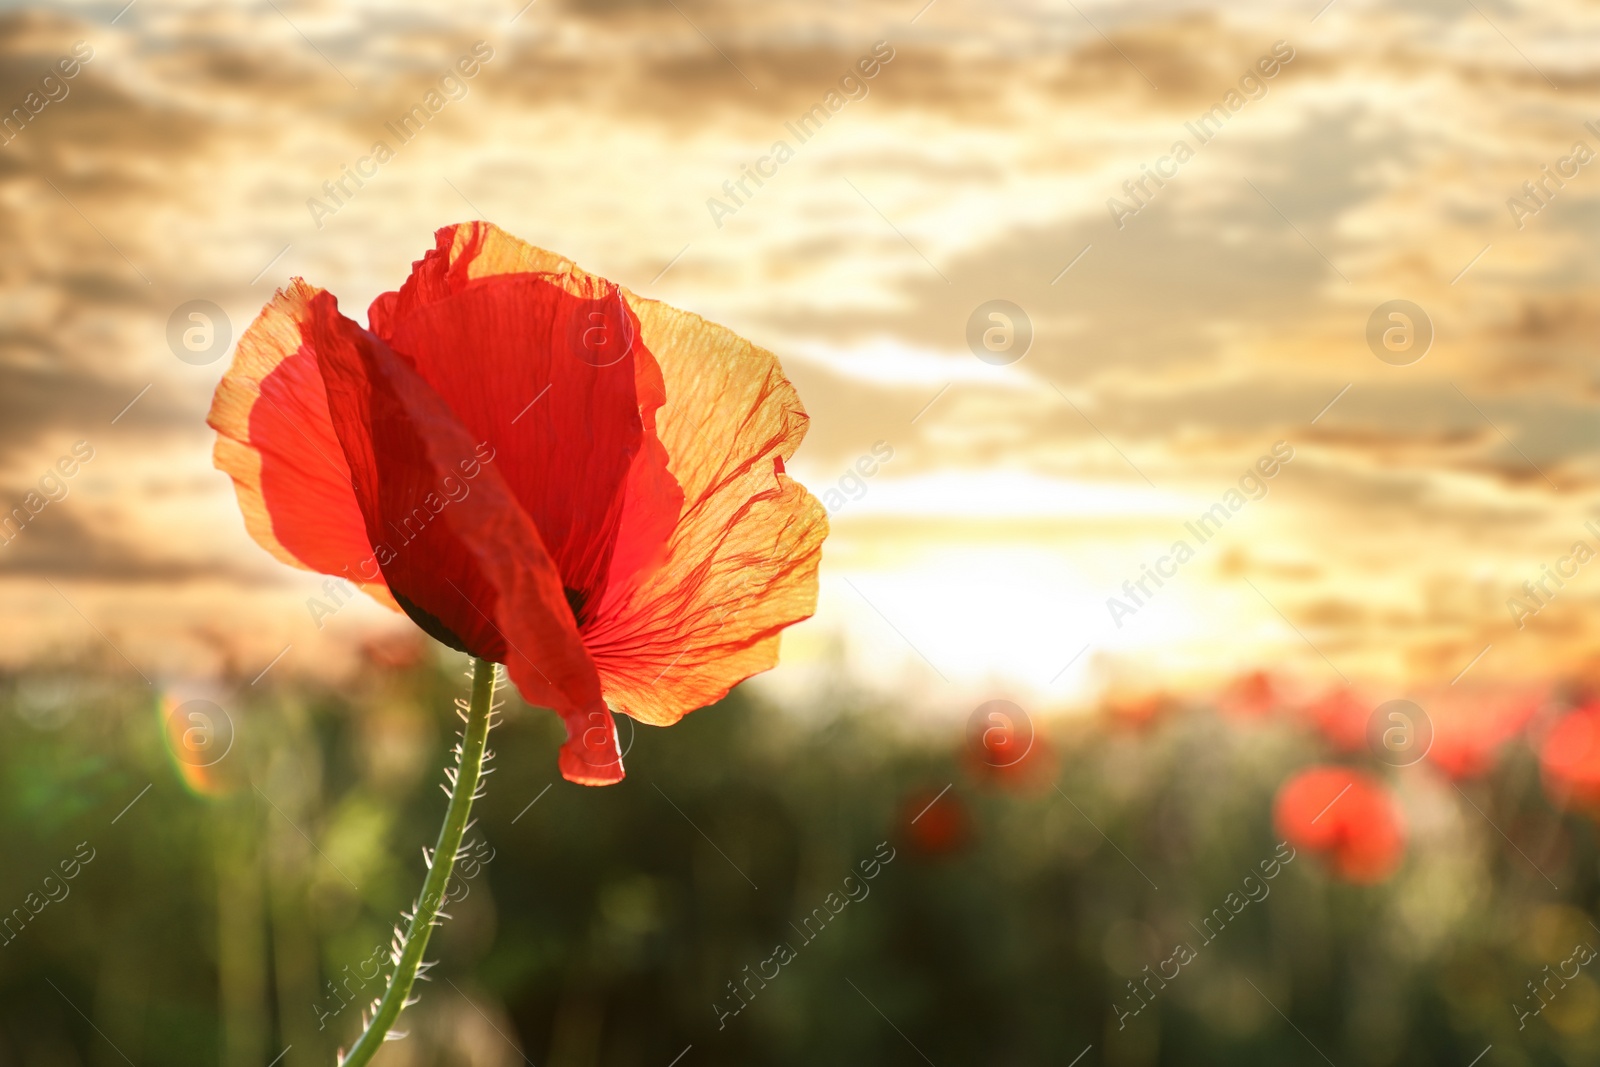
[227, 912]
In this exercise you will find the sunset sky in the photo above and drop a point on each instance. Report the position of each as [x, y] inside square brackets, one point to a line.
[1179, 335]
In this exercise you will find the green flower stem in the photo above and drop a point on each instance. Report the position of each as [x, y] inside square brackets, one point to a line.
[469, 773]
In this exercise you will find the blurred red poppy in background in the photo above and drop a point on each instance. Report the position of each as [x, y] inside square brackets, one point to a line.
[1341, 716]
[1007, 764]
[1472, 723]
[1346, 817]
[1004, 746]
[1251, 696]
[1570, 758]
[394, 651]
[540, 469]
[934, 823]
[1137, 712]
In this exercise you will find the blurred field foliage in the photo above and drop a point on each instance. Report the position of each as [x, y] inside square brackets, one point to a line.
[228, 914]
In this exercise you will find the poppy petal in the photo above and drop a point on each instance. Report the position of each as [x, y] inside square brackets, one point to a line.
[1569, 756]
[536, 402]
[556, 361]
[275, 439]
[1346, 816]
[469, 567]
[742, 561]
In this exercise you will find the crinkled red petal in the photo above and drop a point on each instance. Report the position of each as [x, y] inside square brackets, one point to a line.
[456, 548]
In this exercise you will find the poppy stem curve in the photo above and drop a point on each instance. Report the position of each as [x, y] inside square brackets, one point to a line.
[471, 754]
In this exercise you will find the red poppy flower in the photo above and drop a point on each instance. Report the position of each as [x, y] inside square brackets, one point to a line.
[1472, 723]
[1252, 696]
[1005, 746]
[1341, 715]
[1138, 712]
[1345, 816]
[1025, 771]
[539, 468]
[934, 822]
[1570, 758]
